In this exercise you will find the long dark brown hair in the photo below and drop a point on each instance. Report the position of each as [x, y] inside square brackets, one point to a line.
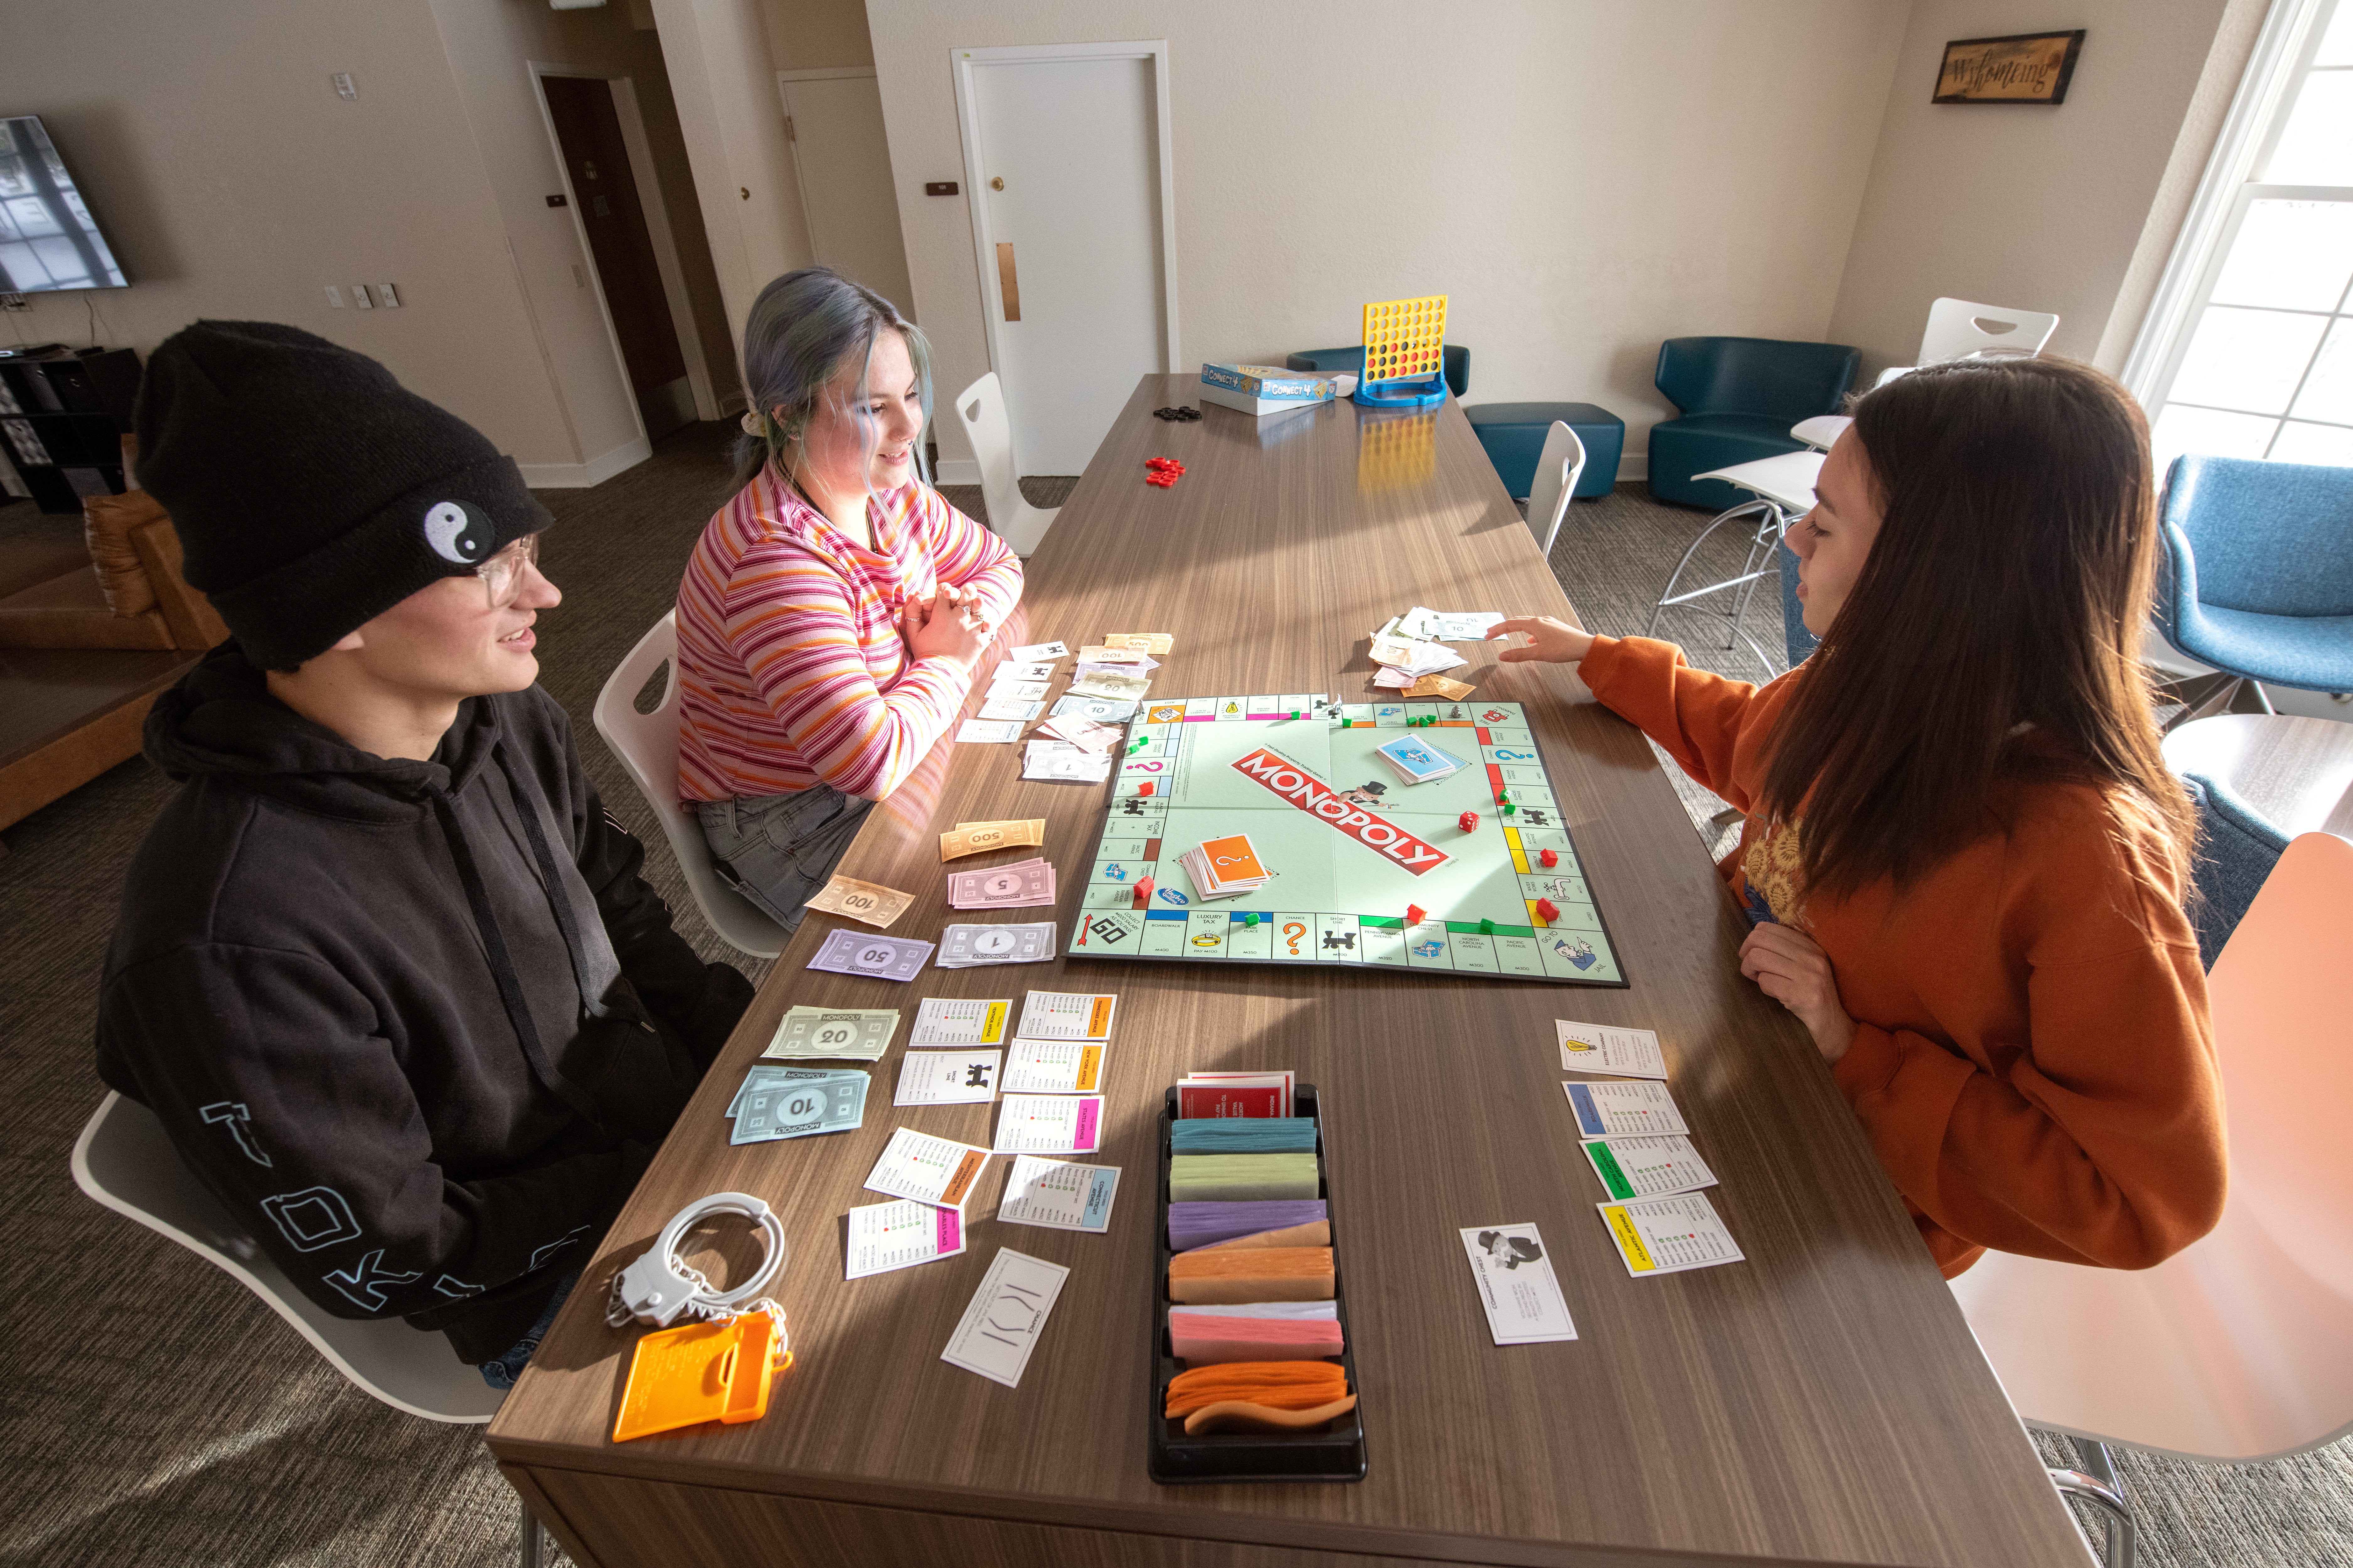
[2009, 585]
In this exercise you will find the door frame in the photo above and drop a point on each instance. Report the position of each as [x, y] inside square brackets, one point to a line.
[650, 204]
[984, 247]
[707, 402]
[792, 135]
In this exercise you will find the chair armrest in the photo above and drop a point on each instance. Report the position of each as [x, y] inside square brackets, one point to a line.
[2175, 596]
[196, 625]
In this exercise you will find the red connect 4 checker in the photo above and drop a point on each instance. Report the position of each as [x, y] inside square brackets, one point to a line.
[1363, 869]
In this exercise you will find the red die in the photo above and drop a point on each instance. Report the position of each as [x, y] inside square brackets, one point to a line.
[1468, 820]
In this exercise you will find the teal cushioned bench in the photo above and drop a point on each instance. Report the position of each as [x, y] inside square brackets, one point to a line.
[1514, 435]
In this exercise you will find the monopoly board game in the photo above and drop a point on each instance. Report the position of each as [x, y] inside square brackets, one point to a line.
[1351, 849]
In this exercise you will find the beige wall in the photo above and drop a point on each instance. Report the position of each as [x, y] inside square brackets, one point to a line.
[488, 46]
[810, 35]
[1583, 178]
[733, 122]
[1591, 176]
[2037, 208]
[237, 185]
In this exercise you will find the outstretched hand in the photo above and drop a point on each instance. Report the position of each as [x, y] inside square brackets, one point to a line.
[1550, 641]
[1791, 968]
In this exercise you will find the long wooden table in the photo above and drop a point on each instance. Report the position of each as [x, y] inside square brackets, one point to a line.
[1823, 1402]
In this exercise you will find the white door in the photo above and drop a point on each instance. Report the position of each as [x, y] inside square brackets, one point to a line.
[834, 119]
[1069, 162]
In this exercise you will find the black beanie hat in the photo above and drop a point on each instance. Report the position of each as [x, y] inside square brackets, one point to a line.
[310, 492]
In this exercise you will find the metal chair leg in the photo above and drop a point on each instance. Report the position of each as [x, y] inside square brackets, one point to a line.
[2100, 1489]
[1667, 596]
[534, 1539]
[1772, 523]
[2200, 697]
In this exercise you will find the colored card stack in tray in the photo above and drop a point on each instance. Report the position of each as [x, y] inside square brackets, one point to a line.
[1254, 1377]
[1208, 1223]
[1241, 1178]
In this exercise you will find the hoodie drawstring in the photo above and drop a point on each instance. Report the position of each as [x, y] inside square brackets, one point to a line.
[495, 944]
[552, 880]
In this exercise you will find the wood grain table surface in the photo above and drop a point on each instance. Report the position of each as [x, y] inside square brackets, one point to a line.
[1822, 1402]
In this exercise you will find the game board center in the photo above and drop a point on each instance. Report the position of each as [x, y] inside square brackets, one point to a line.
[1363, 865]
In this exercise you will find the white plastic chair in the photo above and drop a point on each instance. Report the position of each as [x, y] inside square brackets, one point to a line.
[1559, 468]
[1960, 329]
[125, 1160]
[1784, 488]
[2240, 1346]
[647, 744]
[980, 409]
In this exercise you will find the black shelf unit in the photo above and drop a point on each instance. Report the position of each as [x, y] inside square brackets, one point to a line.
[63, 414]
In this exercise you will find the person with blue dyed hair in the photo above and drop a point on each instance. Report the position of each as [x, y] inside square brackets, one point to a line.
[832, 615]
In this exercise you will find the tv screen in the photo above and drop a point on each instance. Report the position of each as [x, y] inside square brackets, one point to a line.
[47, 238]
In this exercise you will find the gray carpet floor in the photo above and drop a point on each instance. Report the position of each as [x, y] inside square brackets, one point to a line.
[156, 1415]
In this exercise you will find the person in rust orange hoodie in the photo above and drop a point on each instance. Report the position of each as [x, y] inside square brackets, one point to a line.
[1964, 859]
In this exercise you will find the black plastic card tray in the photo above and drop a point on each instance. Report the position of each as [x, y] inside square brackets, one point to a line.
[1336, 1453]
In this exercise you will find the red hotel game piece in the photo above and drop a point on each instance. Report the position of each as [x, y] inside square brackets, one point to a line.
[1415, 914]
[1547, 910]
[1547, 859]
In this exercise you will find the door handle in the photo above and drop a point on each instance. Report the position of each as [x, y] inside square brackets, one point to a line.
[1008, 282]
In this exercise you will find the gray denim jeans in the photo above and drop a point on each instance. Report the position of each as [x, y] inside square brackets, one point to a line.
[777, 850]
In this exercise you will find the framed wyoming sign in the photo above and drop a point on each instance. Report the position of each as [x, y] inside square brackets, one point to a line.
[2026, 68]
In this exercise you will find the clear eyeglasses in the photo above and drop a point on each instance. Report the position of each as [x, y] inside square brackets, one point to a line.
[501, 574]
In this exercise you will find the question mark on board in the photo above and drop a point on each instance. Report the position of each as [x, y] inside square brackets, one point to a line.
[1293, 931]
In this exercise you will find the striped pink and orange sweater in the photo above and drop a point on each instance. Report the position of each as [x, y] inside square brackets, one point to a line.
[791, 668]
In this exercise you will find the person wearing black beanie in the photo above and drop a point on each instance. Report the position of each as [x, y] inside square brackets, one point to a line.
[311, 490]
[386, 970]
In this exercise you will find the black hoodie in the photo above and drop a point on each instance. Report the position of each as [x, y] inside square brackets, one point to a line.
[421, 1022]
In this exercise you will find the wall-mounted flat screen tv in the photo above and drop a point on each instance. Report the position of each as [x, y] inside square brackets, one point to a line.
[47, 238]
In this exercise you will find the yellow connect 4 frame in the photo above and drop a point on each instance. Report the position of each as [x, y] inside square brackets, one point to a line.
[1405, 338]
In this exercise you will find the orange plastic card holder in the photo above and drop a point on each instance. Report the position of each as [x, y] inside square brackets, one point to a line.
[701, 1372]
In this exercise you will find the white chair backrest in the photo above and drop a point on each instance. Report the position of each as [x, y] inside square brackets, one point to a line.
[1959, 328]
[647, 744]
[1559, 468]
[980, 409]
[125, 1160]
